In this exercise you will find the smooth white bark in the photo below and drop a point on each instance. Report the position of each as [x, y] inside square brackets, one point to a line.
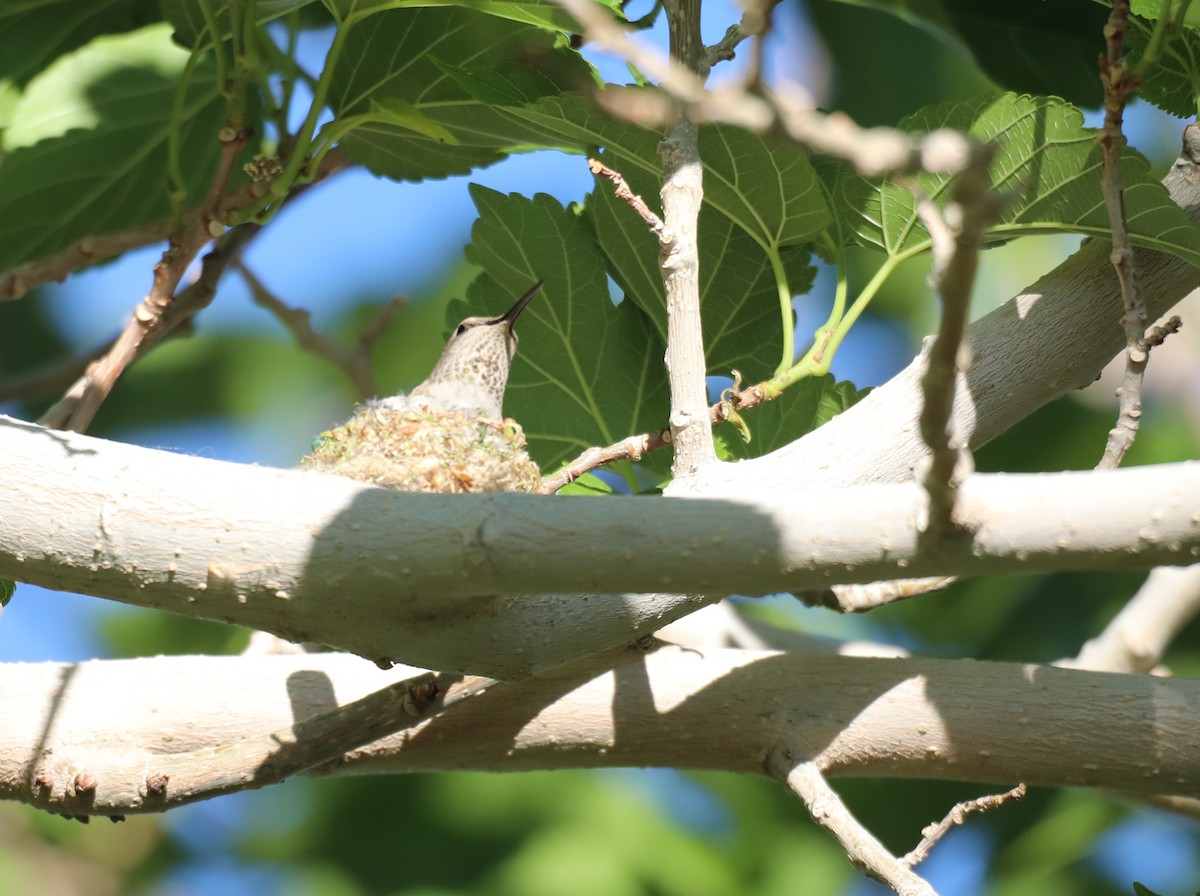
[444, 581]
[203, 721]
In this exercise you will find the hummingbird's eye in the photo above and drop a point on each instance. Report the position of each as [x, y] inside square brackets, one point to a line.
[462, 328]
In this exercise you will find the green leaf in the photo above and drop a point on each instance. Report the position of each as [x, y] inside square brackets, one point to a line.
[588, 372]
[422, 58]
[191, 28]
[508, 84]
[1048, 165]
[1023, 45]
[769, 189]
[801, 408]
[587, 484]
[760, 198]
[1030, 46]
[36, 34]
[1152, 9]
[86, 152]
[1173, 80]
[738, 300]
[405, 115]
[540, 13]
[7, 589]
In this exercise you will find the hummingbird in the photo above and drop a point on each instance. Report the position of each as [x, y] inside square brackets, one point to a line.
[472, 373]
[449, 433]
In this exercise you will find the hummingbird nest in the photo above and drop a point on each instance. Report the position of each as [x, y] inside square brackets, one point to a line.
[427, 449]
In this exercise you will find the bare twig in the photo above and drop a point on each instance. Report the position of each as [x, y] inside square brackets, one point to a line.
[957, 236]
[79, 404]
[78, 407]
[861, 598]
[355, 363]
[756, 23]
[804, 779]
[1119, 84]
[637, 203]
[725, 49]
[379, 324]
[634, 447]
[54, 377]
[874, 151]
[956, 816]
[19, 280]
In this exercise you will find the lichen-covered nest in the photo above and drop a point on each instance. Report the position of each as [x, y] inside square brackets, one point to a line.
[427, 450]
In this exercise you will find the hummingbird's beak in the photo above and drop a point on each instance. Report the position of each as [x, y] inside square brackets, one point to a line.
[514, 312]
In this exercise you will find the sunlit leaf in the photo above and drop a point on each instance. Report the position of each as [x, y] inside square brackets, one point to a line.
[86, 151]
[1047, 165]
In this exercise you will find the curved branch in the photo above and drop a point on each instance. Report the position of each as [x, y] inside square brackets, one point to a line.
[279, 550]
[911, 718]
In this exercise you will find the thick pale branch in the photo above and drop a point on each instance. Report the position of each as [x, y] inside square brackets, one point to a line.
[679, 262]
[315, 557]
[944, 719]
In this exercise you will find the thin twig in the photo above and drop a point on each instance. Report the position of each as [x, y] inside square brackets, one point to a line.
[378, 325]
[636, 202]
[956, 816]
[355, 363]
[50, 378]
[1119, 84]
[634, 447]
[17, 281]
[874, 151]
[79, 404]
[78, 407]
[805, 780]
[868, 596]
[957, 236]
[725, 49]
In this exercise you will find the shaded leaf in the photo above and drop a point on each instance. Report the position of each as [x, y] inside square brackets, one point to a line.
[1023, 45]
[191, 28]
[86, 152]
[418, 59]
[35, 34]
[540, 13]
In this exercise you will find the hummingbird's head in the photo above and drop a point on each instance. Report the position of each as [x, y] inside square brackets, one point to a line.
[473, 369]
[483, 335]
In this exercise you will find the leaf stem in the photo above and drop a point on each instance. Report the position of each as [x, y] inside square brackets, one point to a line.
[786, 314]
[819, 357]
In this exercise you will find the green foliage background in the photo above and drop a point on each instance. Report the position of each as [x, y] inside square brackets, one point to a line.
[98, 137]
